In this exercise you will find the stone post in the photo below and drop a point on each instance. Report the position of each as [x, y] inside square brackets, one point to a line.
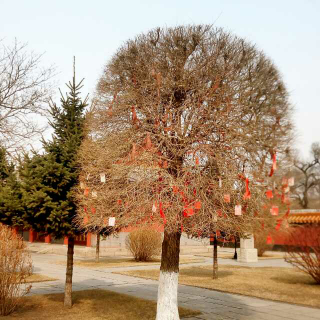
[247, 251]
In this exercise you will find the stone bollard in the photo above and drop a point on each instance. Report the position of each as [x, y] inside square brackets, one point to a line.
[247, 251]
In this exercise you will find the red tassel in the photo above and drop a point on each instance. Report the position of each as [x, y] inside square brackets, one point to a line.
[148, 142]
[247, 195]
[278, 226]
[134, 115]
[269, 239]
[274, 164]
[162, 213]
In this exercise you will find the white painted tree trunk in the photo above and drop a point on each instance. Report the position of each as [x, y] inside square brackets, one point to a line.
[167, 306]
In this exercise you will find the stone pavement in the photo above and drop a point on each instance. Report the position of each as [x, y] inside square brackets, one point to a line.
[212, 304]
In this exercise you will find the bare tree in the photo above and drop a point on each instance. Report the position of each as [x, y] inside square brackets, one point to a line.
[24, 92]
[189, 124]
[307, 178]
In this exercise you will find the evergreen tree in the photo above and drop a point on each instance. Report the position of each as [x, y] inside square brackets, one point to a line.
[49, 180]
[11, 206]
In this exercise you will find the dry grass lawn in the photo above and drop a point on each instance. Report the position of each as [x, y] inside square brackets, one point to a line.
[39, 278]
[107, 262]
[89, 305]
[280, 284]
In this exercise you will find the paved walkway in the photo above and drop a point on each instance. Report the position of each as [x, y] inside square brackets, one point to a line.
[212, 304]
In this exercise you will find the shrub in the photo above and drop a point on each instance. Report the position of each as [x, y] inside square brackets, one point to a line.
[15, 267]
[144, 243]
[260, 243]
[303, 250]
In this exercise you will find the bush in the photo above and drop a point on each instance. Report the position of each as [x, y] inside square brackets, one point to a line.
[15, 267]
[260, 243]
[144, 243]
[303, 250]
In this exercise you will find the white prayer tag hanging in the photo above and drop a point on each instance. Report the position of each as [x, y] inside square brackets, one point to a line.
[81, 185]
[238, 210]
[154, 208]
[286, 189]
[112, 221]
[103, 177]
[291, 182]
[220, 183]
[94, 194]
[215, 218]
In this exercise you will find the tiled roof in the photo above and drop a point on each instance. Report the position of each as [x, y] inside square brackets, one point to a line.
[304, 216]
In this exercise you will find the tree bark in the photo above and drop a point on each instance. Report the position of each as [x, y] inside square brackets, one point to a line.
[235, 256]
[167, 304]
[98, 247]
[68, 286]
[215, 257]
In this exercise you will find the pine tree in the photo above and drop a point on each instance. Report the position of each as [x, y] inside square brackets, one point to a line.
[49, 180]
[11, 206]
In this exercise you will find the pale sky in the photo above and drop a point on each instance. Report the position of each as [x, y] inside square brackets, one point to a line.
[288, 31]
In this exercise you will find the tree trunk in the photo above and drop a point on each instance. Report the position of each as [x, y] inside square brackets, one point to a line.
[167, 304]
[215, 257]
[68, 287]
[98, 247]
[235, 256]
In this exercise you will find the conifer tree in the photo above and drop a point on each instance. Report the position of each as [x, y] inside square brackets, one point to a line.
[49, 179]
[11, 206]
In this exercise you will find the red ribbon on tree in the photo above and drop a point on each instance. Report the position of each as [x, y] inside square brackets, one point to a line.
[163, 216]
[269, 194]
[274, 164]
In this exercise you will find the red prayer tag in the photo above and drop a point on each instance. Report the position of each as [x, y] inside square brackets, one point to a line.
[119, 201]
[197, 161]
[93, 210]
[85, 220]
[188, 211]
[175, 189]
[269, 194]
[197, 205]
[86, 192]
[269, 239]
[278, 226]
[226, 198]
[274, 210]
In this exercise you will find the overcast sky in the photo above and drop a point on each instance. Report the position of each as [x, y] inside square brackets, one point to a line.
[287, 31]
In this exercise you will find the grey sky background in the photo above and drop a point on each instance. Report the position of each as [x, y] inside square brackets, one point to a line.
[287, 31]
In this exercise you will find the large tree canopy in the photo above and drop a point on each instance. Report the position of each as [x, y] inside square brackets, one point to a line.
[189, 124]
[180, 114]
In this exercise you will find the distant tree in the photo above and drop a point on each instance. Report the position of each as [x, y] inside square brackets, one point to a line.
[24, 91]
[307, 178]
[49, 180]
[188, 122]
